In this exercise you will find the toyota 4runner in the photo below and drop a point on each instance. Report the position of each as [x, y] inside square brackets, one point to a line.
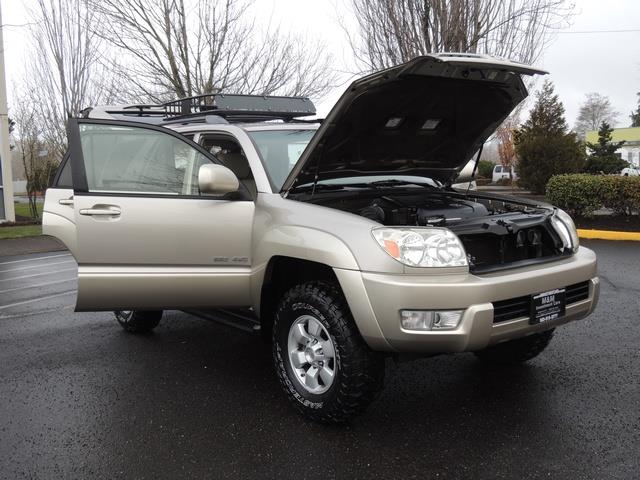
[342, 241]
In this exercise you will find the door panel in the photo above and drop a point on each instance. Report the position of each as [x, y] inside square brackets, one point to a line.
[164, 231]
[58, 217]
[146, 239]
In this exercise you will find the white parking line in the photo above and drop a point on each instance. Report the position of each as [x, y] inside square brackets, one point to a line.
[37, 285]
[37, 258]
[46, 297]
[31, 267]
[38, 274]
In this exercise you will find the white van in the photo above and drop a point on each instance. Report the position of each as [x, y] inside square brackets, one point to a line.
[500, 172]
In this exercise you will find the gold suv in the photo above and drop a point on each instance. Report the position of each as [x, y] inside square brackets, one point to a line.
[341, 241]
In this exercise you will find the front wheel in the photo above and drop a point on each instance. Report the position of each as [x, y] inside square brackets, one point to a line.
[138, 321]
[326, 369]
[517, 351]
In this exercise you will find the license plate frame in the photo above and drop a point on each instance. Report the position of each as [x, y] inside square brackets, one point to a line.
[548, 306]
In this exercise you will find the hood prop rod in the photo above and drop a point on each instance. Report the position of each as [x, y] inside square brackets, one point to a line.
[475, 167]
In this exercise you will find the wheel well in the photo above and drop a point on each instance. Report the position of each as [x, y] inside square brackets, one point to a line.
[283, 273]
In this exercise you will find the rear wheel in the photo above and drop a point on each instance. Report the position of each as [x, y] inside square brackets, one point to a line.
[327, 371]
[138, 321]
[517, 351]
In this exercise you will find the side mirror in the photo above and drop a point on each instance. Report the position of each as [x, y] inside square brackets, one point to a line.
[216, 179]
[466, 174]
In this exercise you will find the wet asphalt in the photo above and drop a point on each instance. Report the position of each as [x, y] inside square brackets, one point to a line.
[80, 398]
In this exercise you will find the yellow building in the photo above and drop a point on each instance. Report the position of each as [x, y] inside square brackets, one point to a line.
[630, 151]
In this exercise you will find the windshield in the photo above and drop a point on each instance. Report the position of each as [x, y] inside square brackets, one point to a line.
[280, 151]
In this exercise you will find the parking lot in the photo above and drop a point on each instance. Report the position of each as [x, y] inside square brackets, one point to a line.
[80, 398]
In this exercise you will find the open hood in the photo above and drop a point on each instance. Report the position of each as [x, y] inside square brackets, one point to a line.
[425, 117]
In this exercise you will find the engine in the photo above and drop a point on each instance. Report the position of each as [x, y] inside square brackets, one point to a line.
[432, 210]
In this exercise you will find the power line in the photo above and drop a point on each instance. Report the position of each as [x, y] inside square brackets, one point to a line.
[602, 31]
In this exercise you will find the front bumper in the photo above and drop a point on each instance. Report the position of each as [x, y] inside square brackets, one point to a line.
[376, 300]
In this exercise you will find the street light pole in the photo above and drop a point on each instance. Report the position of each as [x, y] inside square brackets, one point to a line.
[7, 214]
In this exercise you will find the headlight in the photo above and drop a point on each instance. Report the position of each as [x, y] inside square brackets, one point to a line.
[564, 225]
[422, 247]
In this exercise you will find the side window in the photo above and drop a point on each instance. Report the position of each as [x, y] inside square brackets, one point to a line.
[230, 154]
[63, 178]
[498, 169]
[138, 160]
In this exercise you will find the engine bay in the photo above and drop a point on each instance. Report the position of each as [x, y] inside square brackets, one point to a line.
[422, 208]
[496, 233]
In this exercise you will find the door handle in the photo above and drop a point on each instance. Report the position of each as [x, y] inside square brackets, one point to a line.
[66, 201]
[101, 211]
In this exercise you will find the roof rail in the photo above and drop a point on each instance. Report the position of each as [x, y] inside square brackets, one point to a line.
[196, 118]
[231, 107]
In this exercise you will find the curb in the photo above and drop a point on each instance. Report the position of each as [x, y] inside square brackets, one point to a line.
[608, 235]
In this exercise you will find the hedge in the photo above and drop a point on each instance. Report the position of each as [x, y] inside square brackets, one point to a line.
[582, 194]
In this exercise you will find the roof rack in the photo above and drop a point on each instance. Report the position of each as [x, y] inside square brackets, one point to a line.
[231, 107]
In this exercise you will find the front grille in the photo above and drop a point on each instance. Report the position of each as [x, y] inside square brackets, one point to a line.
[577, 292]
[521, 306]
[513, 308]
[489, 251]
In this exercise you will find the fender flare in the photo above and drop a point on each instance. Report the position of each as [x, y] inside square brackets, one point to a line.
[299, 242]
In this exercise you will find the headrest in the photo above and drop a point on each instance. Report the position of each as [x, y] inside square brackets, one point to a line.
[237, 163]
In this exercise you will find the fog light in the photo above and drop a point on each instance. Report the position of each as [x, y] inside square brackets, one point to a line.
[430, 319]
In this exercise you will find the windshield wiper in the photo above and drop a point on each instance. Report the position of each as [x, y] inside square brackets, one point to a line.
[318, 186]
[399, 183]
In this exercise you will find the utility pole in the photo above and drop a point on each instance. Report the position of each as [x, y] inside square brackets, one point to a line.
[7, 213]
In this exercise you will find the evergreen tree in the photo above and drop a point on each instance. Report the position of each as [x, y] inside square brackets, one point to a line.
[603, 157]
[547, 115]
[543, 144]
[635, 116]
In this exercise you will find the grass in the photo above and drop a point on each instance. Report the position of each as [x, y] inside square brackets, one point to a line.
[20, 231]
[22, 209]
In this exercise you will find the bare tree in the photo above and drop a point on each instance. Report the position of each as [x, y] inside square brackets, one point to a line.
[190, 47]
[506, 146]
[38, 160]
[65, 71]
[394, 31]
[594, 110]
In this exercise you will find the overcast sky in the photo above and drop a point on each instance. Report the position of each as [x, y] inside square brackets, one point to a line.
[608, 63]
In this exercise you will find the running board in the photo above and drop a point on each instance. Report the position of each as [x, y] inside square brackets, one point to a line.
[244, 320]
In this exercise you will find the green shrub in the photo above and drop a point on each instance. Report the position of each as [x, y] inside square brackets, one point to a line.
[582, 194]
[621, 194]
[578, 194]
[485, 168]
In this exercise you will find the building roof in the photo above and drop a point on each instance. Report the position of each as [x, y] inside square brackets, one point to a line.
[629, 135]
